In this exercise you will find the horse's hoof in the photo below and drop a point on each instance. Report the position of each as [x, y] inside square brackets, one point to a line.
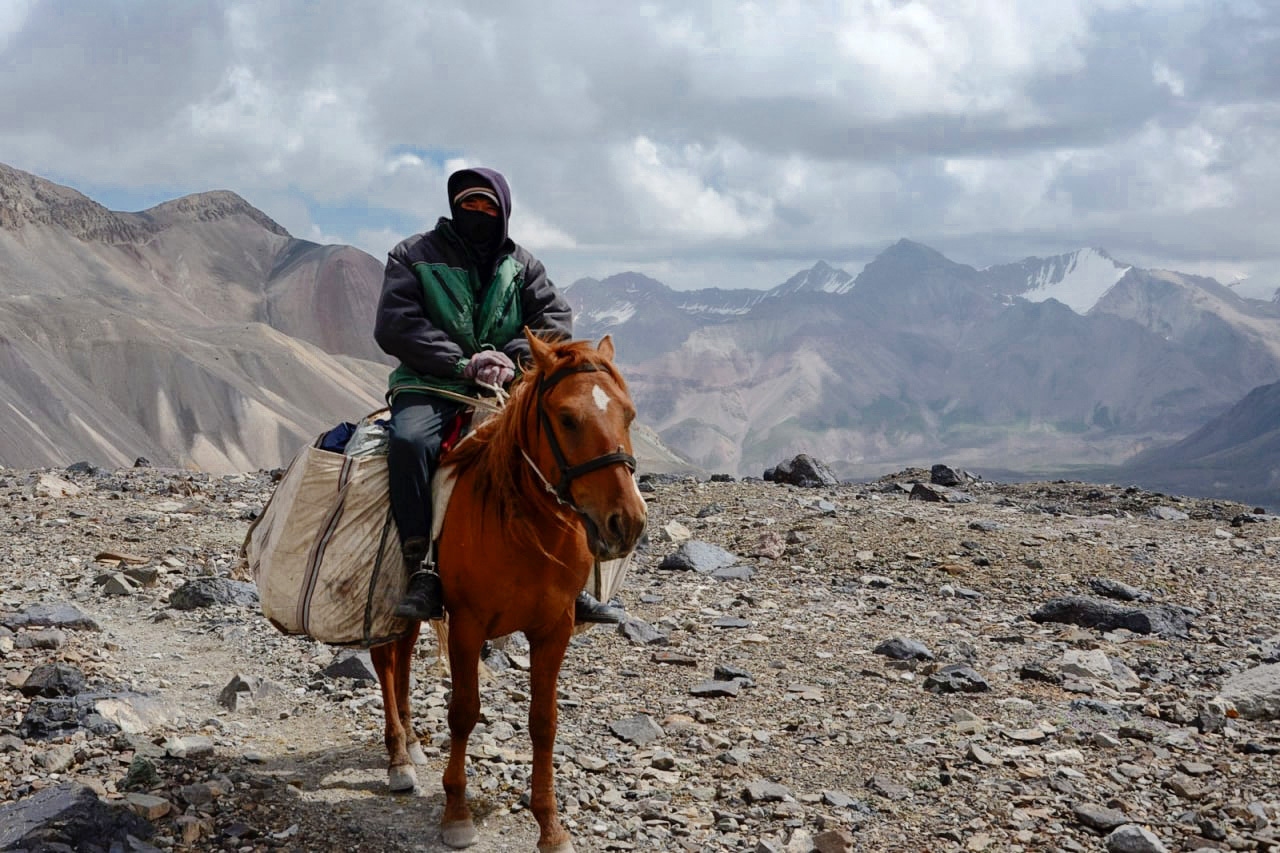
[459, 834]
[565, 846]
[416, 755]
[402, 778]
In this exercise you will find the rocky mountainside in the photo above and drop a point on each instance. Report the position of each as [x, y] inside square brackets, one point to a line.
[1049, 362]
[888, 666]
[197, 333]
[1236, 454]
[194, 333]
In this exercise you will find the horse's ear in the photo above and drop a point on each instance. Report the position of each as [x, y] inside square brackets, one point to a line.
[605, 347]
[538, 348]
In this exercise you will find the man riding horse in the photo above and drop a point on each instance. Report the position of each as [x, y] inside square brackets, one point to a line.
[454, 303]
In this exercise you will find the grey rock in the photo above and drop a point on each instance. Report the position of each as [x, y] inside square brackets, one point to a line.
[765, 792]
[903, 648]
[698, 556]
[1105, 616]
[1132, 838]
[956, 678]
[730, 622]
[190, 746]
[886, 787]
[213, 592]
[1255, 693]
[67, 816]
[46, 638]
[716, 688]
[728, 672]
[56, 759]
[942, 475]
[1167, 513]
[641, 633]
[802, 470]
[1117, 590]
[244, 688]
[351, 663]
[929, 494]
[141, 775]
[740, 572]
[60, 716]
[53, 679]
[49, 616]
[638, 730]
[1099, 817]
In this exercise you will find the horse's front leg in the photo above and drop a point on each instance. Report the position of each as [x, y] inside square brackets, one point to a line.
[546, 653]
[465, 640]
[400, 773]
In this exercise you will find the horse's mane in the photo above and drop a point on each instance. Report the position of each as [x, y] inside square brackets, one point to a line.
[491, 455]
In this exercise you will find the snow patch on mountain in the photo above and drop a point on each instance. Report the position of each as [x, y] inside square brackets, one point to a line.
[615, 315]
[820, 278]
[1077, 280]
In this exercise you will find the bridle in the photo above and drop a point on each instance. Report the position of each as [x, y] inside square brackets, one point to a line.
[569, 473]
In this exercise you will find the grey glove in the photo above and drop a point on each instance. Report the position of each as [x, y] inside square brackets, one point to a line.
[491, 367]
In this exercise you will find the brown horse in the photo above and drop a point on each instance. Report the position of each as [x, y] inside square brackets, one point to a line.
[544, 488]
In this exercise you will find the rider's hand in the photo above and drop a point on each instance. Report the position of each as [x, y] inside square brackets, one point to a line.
[490, 367]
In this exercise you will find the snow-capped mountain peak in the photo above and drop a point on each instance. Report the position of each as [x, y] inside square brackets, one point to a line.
[1077, 279]
[820, 278]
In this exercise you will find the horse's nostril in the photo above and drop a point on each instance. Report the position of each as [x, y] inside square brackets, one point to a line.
[615, 527]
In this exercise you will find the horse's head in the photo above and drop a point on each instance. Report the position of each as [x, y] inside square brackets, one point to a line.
[584, 418]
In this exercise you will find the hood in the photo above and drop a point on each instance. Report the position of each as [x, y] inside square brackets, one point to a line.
[483, 177]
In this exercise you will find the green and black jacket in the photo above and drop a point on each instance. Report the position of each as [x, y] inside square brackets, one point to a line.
[436, 312]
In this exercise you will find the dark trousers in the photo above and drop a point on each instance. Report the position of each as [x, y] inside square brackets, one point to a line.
[418, 422]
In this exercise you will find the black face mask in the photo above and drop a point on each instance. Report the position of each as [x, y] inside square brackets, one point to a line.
[482, 232]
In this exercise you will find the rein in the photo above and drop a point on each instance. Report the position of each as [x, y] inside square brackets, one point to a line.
[569, 473]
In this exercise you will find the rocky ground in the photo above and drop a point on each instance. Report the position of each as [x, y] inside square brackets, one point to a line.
[885, 666]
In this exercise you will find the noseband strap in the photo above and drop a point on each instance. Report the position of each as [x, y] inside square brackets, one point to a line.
[569, 473]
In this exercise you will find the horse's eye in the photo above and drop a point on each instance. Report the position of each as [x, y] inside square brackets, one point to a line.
[568, 422]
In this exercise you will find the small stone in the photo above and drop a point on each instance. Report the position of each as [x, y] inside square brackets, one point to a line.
[57, 759]
[698, 556]
[638, 730]
[903, 648]
[888, 788]
[956, 678]
[730, 622]
[210, 592]
[191, 746]
[1117, 590]
[980, 755]
[641, 633]
[1132, 838]
[765, 792]
[1168, 513]
[1092, 663]
[674, 658]
[47, 638]
[148, 806]
[1099, 817]
[715, 688]
[352, 663]
[833, 841]
[53, 679]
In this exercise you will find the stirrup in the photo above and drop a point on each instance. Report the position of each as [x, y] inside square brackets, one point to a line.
[586, 609]
[423, 597]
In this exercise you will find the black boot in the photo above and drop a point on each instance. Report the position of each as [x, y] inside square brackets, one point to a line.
[424, 598]
[587, 609]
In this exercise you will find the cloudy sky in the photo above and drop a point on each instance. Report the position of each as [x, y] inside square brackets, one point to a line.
[705, 143]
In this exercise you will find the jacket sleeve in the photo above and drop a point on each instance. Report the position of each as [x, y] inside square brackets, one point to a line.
[403, 330]
[543, 309]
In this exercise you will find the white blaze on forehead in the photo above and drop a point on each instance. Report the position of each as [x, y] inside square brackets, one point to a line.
[601, 398]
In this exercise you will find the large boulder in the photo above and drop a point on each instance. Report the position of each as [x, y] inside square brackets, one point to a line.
[68, 817]
[1105, 616]
[1255, 693]
[213, 592]
[803, 470]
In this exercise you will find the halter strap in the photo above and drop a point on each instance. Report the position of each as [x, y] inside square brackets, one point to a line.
[569, 473]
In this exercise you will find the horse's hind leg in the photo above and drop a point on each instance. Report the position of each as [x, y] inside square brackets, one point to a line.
[404, 662]
[465, 639]
[546, 654]
[400, 772]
